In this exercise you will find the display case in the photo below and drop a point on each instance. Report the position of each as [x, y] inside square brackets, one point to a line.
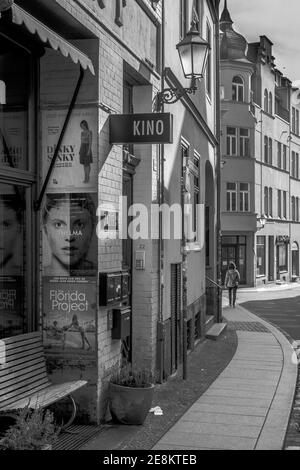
[110, 288]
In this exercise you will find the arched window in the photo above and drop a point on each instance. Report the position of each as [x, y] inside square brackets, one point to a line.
[237, 89]
[270, 103]
[266, 100]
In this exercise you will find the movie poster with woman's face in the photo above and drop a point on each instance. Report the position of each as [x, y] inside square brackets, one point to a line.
[76, 164]
[69, 228]
[69, 270]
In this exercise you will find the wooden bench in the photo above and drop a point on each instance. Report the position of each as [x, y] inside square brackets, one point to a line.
[23, 377]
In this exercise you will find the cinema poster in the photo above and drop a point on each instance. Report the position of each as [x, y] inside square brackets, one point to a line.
[13, 140]
[69, 314]
[76, 164]
[69, 234]
[11, 305]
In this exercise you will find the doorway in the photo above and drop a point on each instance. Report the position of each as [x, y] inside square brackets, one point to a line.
[234, 250]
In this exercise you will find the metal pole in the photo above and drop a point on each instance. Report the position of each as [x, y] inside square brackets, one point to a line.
[160, 323]
[184, 275]
[218, 171]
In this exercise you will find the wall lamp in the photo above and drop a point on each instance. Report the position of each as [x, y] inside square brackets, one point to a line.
[261, 221]
[193, 52]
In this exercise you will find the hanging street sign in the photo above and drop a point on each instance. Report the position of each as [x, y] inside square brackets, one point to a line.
[154, 128]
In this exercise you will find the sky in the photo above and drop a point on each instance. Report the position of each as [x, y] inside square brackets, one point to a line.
[279, 20]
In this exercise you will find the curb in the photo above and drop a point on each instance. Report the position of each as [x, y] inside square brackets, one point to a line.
[273, 433]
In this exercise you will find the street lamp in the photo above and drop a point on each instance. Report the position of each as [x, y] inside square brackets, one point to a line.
[193, 52]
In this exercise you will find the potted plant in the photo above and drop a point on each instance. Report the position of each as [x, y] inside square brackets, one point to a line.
[33, 430]
[130, 395]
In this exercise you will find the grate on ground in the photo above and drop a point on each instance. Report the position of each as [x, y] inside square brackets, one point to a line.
[75, 436]
[256, 327]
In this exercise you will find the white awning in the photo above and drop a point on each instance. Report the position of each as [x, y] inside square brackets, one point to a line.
[46, 35]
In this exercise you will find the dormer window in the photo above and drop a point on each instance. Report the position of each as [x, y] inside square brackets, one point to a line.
[237, 89]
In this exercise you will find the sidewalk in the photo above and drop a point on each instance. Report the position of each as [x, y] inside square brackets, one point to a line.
[248, 406]
[270, 287]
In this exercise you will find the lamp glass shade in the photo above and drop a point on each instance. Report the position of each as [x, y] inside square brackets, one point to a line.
[193, 52]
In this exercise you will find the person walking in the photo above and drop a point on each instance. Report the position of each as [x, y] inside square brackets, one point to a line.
[232, 280]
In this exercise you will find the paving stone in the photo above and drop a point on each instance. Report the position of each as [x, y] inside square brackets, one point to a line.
[209, 441]
[221, 418]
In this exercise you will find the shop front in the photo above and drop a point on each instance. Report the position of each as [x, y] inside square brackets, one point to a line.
[48, 194]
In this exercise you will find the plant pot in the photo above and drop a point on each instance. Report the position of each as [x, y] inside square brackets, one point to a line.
[129, 405]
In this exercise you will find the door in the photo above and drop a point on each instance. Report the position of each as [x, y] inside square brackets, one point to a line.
[16, 273]
[175, 315]
[234, 253]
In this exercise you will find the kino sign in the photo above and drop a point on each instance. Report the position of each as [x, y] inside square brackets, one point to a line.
[154, 128]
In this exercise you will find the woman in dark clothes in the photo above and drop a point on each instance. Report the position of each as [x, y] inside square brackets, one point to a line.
[85, 152]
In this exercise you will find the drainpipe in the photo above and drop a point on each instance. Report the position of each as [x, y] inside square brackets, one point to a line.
[161, 198]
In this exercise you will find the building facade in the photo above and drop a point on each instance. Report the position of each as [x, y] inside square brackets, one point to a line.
[67, 190]
[260, 176]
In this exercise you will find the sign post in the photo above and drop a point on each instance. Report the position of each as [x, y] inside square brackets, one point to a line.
[154, 128]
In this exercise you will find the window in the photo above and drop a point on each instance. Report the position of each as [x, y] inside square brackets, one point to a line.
[233, 134]
[266, 149]
[231, 197]
[198, 9]
[284, 204]
[270, 202]
[270, 103]
[244, 142]
[266, 201]
[293, 208]
[208, 63]
[293, 164]
[295, 121]
[261, 255]
[297, 209]
[279, 203]
[279, 154]
[244, 197]
[282, 257]
[284, 162]
[270, 151]
[266, 101]
[237, 89]
[196, 199]
[183, 18]
[231, 141]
